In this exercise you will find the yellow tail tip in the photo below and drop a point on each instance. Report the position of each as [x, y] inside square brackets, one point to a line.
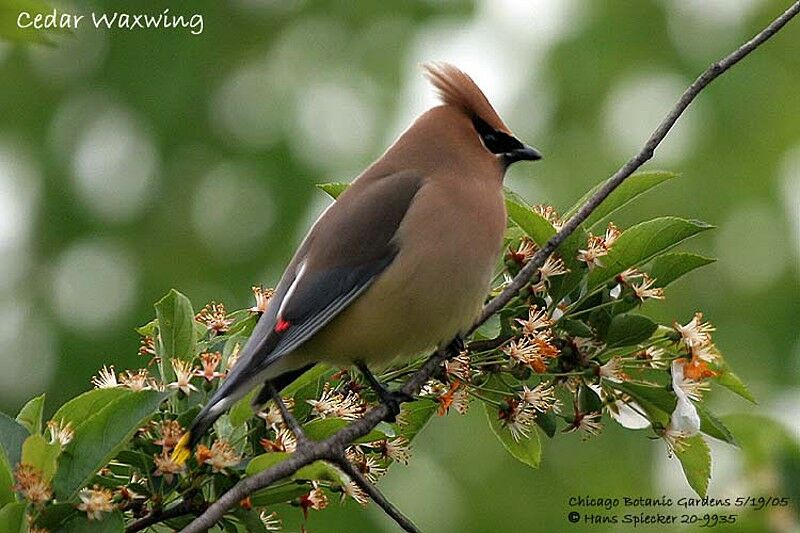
[182, 451]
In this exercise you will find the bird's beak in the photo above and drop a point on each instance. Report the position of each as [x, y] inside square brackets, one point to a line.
[526, 153]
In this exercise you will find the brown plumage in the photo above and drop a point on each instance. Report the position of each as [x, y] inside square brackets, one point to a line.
[402, 261]
[457, 89]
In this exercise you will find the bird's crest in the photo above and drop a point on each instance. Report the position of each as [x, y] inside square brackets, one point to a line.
[457, 89]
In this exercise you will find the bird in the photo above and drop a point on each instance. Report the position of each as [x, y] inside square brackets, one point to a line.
[400, 263]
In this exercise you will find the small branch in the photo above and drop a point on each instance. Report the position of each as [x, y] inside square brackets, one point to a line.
[182, 509]
[332, 448]
[646, 153]
[288, 418]
[376, 495]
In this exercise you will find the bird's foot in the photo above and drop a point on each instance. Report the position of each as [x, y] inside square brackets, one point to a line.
[391, 399]
[456, 346]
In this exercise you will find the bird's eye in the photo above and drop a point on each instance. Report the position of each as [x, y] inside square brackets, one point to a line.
[495, 141]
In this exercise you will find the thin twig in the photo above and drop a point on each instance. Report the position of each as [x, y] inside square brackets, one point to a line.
[702, 81]
[184, 508]
[331, 448]
[376, 495]
[288, 418]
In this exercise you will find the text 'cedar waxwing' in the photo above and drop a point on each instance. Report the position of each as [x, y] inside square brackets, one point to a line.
[399, 264]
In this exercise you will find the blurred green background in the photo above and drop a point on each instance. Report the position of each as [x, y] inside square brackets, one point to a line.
[133, 162]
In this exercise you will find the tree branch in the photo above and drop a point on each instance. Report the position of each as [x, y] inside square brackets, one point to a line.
[288, 418]
[376, 495]
[332, 448]
[184, 508]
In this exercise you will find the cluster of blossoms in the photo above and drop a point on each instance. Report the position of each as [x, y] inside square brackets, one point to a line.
[214, 317]
[549, 362]
[332, 403]
[535, 347]
[262, 297]
[642, 285]
[561, 346]
[598, 246]
[690, 379]
[31, 484]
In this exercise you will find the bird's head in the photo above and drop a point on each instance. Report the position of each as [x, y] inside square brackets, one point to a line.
[458, 91]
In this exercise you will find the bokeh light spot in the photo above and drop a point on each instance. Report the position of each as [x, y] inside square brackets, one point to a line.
[751, 248]
[93, 285]
[115, 164]
[28, 356]
[790, 184]
[637, 104]
[336, 124]
[20, 185]
[74, 57]
[246, 108]
[232, 210]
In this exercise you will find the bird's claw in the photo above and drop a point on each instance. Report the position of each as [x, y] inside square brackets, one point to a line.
[393, 400]
[456, 346]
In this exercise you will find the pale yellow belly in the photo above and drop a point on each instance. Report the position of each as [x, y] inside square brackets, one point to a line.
[406, 311]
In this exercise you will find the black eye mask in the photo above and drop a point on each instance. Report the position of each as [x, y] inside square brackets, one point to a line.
[495, 141]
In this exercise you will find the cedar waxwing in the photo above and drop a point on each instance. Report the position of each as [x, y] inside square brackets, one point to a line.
[399, 264]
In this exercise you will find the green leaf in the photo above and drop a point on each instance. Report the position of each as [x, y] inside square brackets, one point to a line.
[670, 267]
[6, 480]
[713, 426]
[12, 435]
[111, 523]
[415, 416]
[541, 230]
[175, 329]
[532, 223]
[250, 520]
[12, 518]
[30, 415]
[323, 428]
[244, 321]
[659, 403]
[316, 471]
[53, 515]
[628, 190]
[629, 329]
[312, 375]
[38, 452]
[695, 459]
[148, 329]
[242, 411]
[641, 243]
[334, 189]
[489, 329]
[526, 450]
[574, 327]
[588, 400]
[81, 408]
[548, 422]
[100, 438]
[731, 381]
[280, 494]
[665, 269]
[307, 387]
[188, 416]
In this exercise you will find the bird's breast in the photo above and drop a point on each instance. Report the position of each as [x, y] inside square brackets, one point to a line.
[448, 244]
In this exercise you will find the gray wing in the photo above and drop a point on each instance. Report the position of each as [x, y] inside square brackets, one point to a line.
[346, 250]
